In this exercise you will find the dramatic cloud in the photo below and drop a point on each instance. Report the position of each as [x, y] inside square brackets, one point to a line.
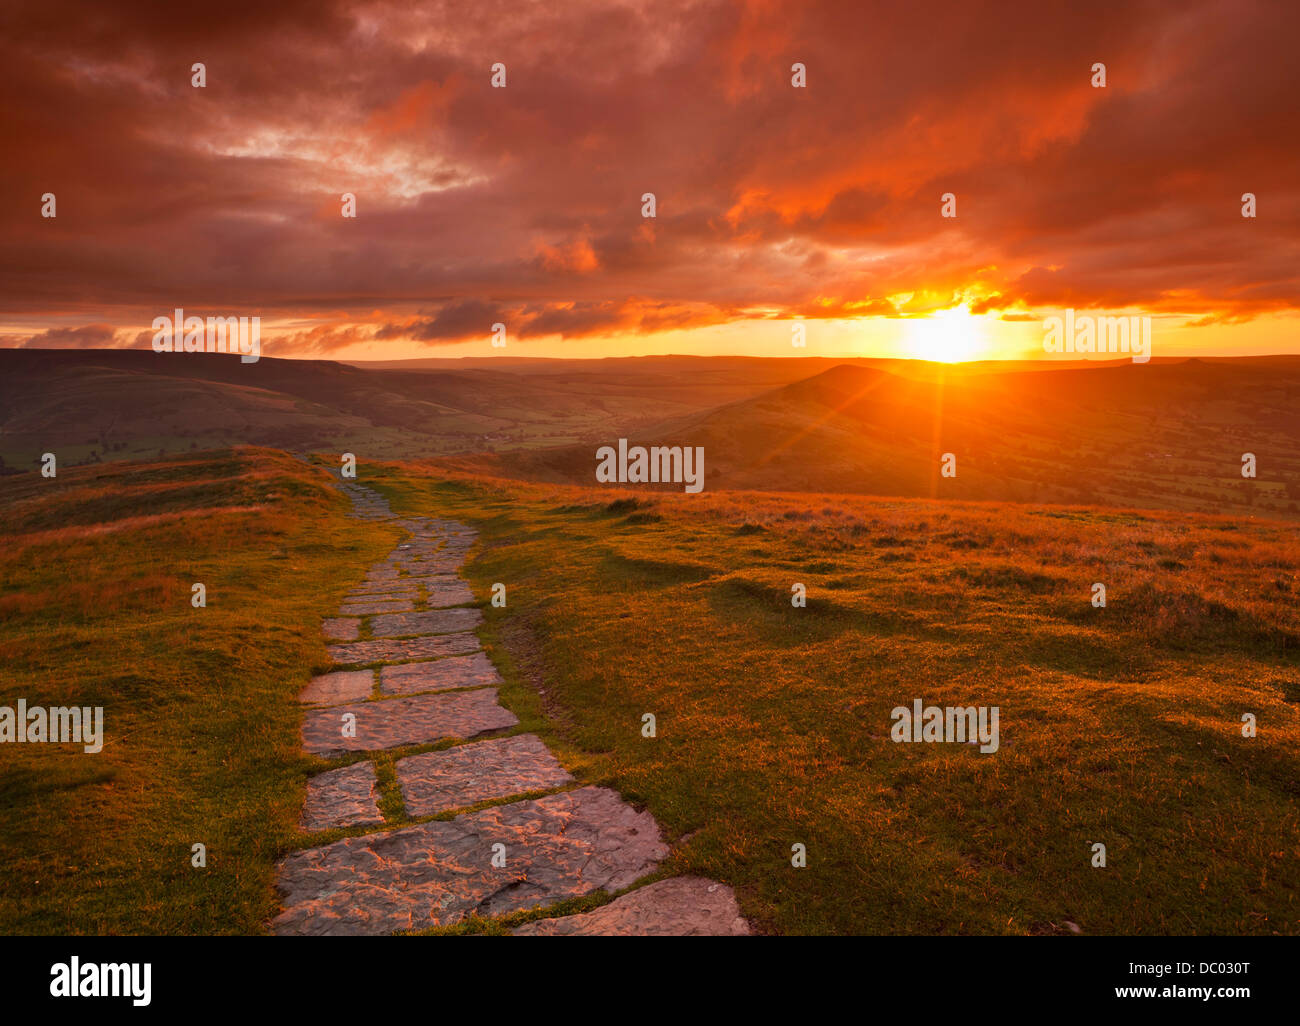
[92, 336]
[524, 204]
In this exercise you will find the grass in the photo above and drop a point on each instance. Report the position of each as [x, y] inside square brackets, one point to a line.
[201, 718]
[1118, 725]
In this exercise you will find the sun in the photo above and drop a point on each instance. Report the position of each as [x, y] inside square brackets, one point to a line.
[948, 336]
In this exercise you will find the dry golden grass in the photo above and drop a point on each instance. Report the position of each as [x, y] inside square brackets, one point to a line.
[1119, 725]
[201, 718]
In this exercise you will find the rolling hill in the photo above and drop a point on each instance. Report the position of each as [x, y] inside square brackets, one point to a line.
[91, 405]
[1169, 435]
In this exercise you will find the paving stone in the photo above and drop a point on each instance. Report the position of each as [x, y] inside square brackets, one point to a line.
[684, 906]
[438, 621]
[340, 629]
[468, 774]
[385, 585]
[404, 589]
[366, 503]
[451, 594]
[432, 874]
[404, 650]
[403, 601]
[469, 671]
[441, 567]
[333, 688]
[342, 797]
[397, 722]
[436, 873]
[370, 607]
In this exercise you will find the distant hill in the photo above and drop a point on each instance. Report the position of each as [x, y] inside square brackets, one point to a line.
[1167, 435]
[116, 404]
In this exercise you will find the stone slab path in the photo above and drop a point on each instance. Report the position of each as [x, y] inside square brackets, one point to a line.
[468, 671]
[426, 681]
[340, 687]
[681, 906]
[437, 621]
[402, 650]
[411, 720]
[342, 797]
[469, 774]
[436, 873]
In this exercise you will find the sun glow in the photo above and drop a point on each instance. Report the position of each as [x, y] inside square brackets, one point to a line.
[948, 336]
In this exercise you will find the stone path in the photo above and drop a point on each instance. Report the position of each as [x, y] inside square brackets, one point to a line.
[411, 673]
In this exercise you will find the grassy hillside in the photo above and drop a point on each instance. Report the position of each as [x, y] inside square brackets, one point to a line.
[1167, 436]
[201, 720]
[100, 405]
[1118, 725]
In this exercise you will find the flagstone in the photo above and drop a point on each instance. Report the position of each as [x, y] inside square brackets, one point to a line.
[402, 650]
[440, 595]
[404, 587]
[341, 628]
[407, 599]
[369, 607]
[682, 906]
[342, 797]
[342, 686]
[468, 774]
[469, 671]
[430, 874]
[438, 621]
[397, 722]
[440, 567]
[433, 874]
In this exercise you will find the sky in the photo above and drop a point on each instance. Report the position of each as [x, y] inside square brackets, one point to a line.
[776, 205]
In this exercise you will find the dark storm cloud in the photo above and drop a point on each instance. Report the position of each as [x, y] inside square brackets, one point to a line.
[479, 203]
